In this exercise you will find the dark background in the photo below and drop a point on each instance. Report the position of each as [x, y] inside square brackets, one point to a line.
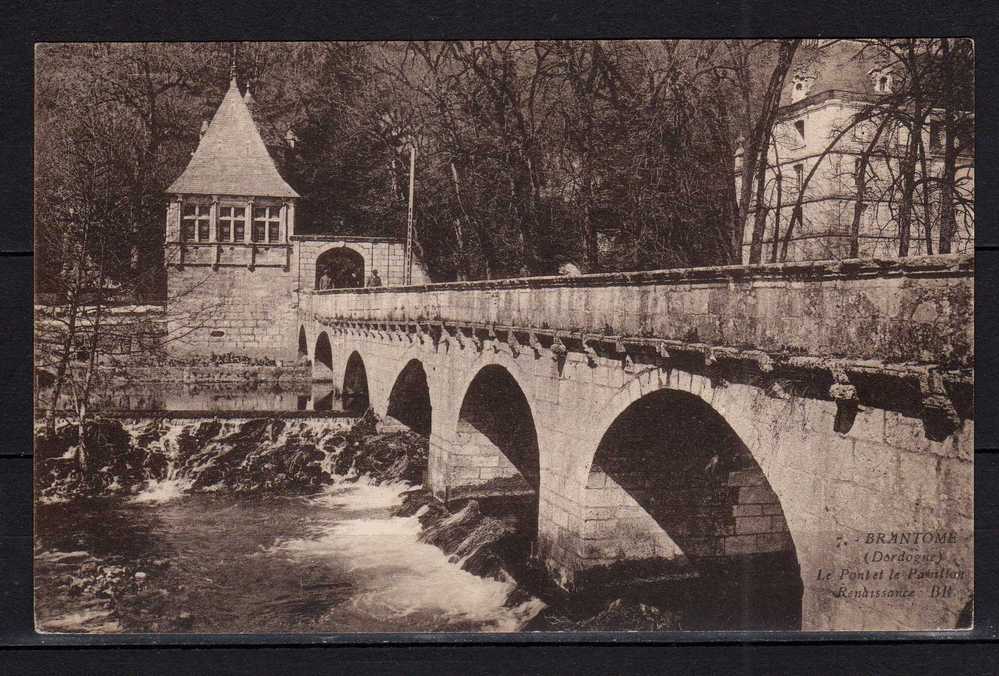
[25, 23]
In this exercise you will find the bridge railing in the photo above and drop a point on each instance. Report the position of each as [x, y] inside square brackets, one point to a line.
[909, 310]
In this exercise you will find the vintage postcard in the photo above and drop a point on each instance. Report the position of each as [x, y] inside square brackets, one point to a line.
[504, 336]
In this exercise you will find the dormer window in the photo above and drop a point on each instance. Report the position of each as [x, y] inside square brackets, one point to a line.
[196, 223]
[882, 81]
[801, 85]
[799, 126]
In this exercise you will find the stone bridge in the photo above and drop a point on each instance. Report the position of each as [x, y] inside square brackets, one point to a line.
[751, 422]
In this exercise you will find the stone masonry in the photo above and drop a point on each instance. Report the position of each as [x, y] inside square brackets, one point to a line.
[847, 385]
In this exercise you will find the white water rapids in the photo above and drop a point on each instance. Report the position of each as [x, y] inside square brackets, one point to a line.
[336, 560]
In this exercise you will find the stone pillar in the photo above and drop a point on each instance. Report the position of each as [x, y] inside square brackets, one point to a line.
[213, 222]
[290, 228]
[248, 225]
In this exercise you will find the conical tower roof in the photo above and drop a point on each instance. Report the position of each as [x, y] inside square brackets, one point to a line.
[231, 158]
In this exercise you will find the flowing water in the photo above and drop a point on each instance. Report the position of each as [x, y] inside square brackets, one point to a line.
[199, 541]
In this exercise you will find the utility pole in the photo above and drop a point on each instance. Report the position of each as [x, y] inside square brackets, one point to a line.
[409, 217]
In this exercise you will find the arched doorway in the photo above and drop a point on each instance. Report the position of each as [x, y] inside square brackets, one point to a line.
[409, 402]
[498, 455]
[343, 269]
[672, 493]
[355, 386]
[322, 363]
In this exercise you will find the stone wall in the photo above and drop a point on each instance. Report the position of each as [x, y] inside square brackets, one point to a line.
[385, 255]
[232, 309]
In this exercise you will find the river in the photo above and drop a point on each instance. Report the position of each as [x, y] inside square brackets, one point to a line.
[223, 524]
[337, 561]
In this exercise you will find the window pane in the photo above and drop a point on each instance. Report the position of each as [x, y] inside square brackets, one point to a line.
[225, 212]
[258, 231]
[188, 231]
[202, 231]
[274, 231]
[259, 212]
[224, 231]
[238, 212]
[188, 209]
[240, 231]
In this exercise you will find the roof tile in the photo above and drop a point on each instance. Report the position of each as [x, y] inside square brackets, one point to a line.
[231, 158]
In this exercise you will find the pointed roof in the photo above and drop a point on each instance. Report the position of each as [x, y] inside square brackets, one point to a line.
[231, 158]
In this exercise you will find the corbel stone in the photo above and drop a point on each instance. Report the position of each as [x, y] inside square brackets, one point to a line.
[663, 351]
[559, 350]
[841, 389]
[622, 351]
[474, 340]
[493, 340]
[845, 395]
[511, 340]
[534, 344]
[940, 418]
[710, 357]
[443, 338]
[764, 362]
[590, 352]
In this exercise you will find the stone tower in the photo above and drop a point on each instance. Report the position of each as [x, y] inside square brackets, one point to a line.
[231, 278]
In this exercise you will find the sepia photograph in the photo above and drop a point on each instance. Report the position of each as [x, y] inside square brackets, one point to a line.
[504, 336]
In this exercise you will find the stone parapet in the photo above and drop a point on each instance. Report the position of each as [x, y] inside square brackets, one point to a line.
[912, 310]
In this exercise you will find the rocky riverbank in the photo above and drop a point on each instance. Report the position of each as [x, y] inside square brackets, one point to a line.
[275, 455]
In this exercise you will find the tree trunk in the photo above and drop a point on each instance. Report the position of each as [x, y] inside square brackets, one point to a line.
[908, 171]
[755, 152]
[590, 251]
[774, 246]
[925, 192]
[948, 224]
[760, 215]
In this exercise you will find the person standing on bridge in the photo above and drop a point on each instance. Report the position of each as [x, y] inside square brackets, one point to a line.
[325, 281]
[374, 279]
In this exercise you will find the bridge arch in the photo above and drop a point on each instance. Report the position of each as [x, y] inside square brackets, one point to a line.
[671, 488]
[322, 358]
[355, 385]
[409, 401]
[303, 345]
[495, 455]
[343, 266]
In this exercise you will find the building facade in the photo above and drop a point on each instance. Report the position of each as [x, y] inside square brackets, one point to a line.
[235, 265]
[842, 131]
